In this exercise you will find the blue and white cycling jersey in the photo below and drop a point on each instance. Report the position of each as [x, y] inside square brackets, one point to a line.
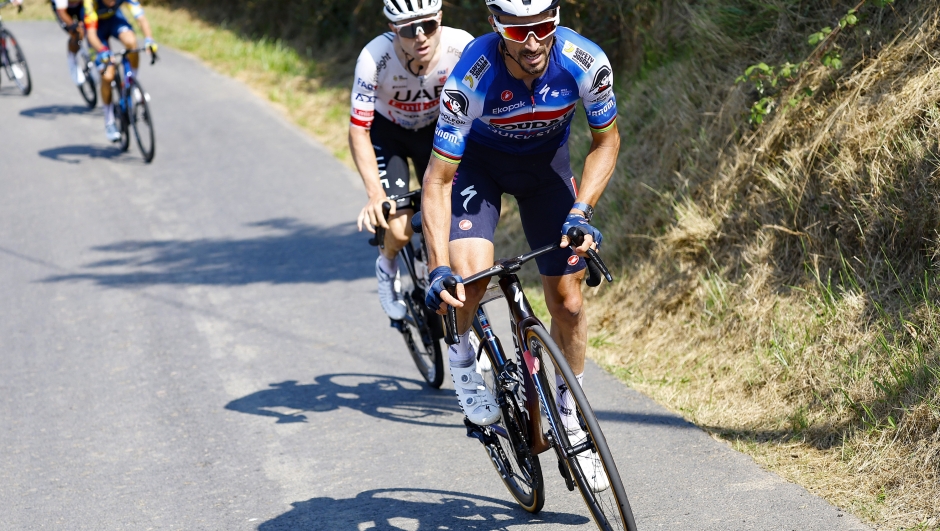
[483, 102]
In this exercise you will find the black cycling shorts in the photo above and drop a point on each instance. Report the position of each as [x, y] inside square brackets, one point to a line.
[394, 145]
[76, 12]
[543, 185]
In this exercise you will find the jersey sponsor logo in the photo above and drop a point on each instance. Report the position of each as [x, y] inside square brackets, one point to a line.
[415, 95]
[414, 107]
[382, 63]
[506, 95]
[602, 80]
[579, 56]
[472, 78]
[508, 108]
[364, 114]
[456, 102]
[363, 84]
[603, 110]
[365, 98]
[465, 224]
[454, 50]
[573, 260]
[397, 77]
[442, 79]
[446, 136]
[452, 120]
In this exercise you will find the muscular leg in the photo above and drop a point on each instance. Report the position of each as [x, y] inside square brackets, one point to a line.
[76, 38]
[569, 323]
[469, 256]
[129, 40]
[107, 76]
[398, 233]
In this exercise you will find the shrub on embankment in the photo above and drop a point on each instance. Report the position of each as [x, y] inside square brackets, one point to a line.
[778, 280]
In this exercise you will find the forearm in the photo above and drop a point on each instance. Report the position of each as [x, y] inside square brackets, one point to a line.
[95, 42]
[360, 146]
[64, 16]
[435, 210]
[145, 27]
[599, 166]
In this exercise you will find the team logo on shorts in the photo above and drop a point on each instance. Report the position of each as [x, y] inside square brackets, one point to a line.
[573, 260]
[465, 224]
[506, 95]
[456, 102]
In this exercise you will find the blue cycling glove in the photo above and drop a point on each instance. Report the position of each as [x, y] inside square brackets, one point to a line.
[433, 297]
[103, 58]
[577, 220]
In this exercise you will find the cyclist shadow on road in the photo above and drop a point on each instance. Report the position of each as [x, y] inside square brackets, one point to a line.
[383, 397]
[51, 112]
[288, 252]
[395, 509]
[74, 154]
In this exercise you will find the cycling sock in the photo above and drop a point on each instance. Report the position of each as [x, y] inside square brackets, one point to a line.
[389, 266]
[565, 402]
[461, 355]
[108, 114]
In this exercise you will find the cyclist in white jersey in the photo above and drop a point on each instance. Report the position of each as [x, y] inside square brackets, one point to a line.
[395, 104]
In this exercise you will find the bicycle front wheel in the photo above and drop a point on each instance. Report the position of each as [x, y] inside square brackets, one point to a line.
[421, 331]
[589, 460]
[15, 64]
[88, 89]
[142, 122]
[507, 441]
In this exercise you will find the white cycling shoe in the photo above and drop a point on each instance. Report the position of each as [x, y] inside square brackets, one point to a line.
[390, 293]
[590, 463]
[475, 399]
[78, 77]
[111, 131]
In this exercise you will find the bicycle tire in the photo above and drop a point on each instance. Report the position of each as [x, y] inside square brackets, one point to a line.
[23, 81]
[140, 114]
[518, 468]
[88, 89]
[417, 328]
[609, 508]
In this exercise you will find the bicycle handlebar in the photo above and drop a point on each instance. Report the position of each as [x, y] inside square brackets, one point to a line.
[122, 53]
[596, 268]
[379, 239]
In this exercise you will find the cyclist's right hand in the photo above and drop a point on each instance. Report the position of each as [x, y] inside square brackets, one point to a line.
[372, 216]
[437, 297]
[103, 58]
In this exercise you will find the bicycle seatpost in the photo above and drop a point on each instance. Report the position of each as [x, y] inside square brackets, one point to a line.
[450, 321]
[596, 266]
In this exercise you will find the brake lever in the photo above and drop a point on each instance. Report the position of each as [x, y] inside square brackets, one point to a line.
[596, 266]
[379, 239]
[450, 320]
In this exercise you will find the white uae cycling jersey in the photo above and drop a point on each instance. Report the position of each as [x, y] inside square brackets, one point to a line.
[385, 86]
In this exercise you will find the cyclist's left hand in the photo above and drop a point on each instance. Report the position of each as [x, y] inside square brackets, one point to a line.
[592, 236]
[152, 44]
[103, 58]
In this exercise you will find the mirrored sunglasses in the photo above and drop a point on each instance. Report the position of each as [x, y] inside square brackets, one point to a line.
[520, 32]
[426, 26]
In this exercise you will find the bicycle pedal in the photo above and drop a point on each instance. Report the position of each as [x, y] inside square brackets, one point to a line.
[397, 324]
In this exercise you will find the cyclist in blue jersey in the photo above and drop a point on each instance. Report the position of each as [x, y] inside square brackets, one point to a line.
[503, 128]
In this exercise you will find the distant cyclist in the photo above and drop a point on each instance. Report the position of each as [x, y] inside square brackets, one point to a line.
[103, 20]
[70, 15]
[395, 103]
[503, 128]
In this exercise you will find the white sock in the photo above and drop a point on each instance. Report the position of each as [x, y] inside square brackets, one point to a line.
[565, 403]
[108, 114]
[389, 266]
[462, 355]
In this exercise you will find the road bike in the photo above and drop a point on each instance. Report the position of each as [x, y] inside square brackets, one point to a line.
[133, 105]
[421, 328]
[12, 59]
[88, 88]
[523, 382]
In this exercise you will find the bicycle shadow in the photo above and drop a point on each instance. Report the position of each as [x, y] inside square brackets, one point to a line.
[289, 252]
[51, 112]
[396, 509]
[384, 397]
[75, 153]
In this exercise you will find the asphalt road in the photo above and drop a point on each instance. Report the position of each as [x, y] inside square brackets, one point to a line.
[197, 344]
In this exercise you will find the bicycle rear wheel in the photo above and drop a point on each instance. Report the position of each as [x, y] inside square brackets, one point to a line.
[15, 63]
[507, 441]
[88, 89]
[142, 122]
[609, 507]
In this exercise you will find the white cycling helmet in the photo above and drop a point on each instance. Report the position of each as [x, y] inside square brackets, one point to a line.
[398, 10]
[520, 8]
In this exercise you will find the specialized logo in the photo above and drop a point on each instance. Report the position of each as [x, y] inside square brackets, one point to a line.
[544, 92]
[579, 56]
[456, 102]
[506, 95]
[472, 78]
[602, 80]
[573, 260]
[467, 192]
[465, 224]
